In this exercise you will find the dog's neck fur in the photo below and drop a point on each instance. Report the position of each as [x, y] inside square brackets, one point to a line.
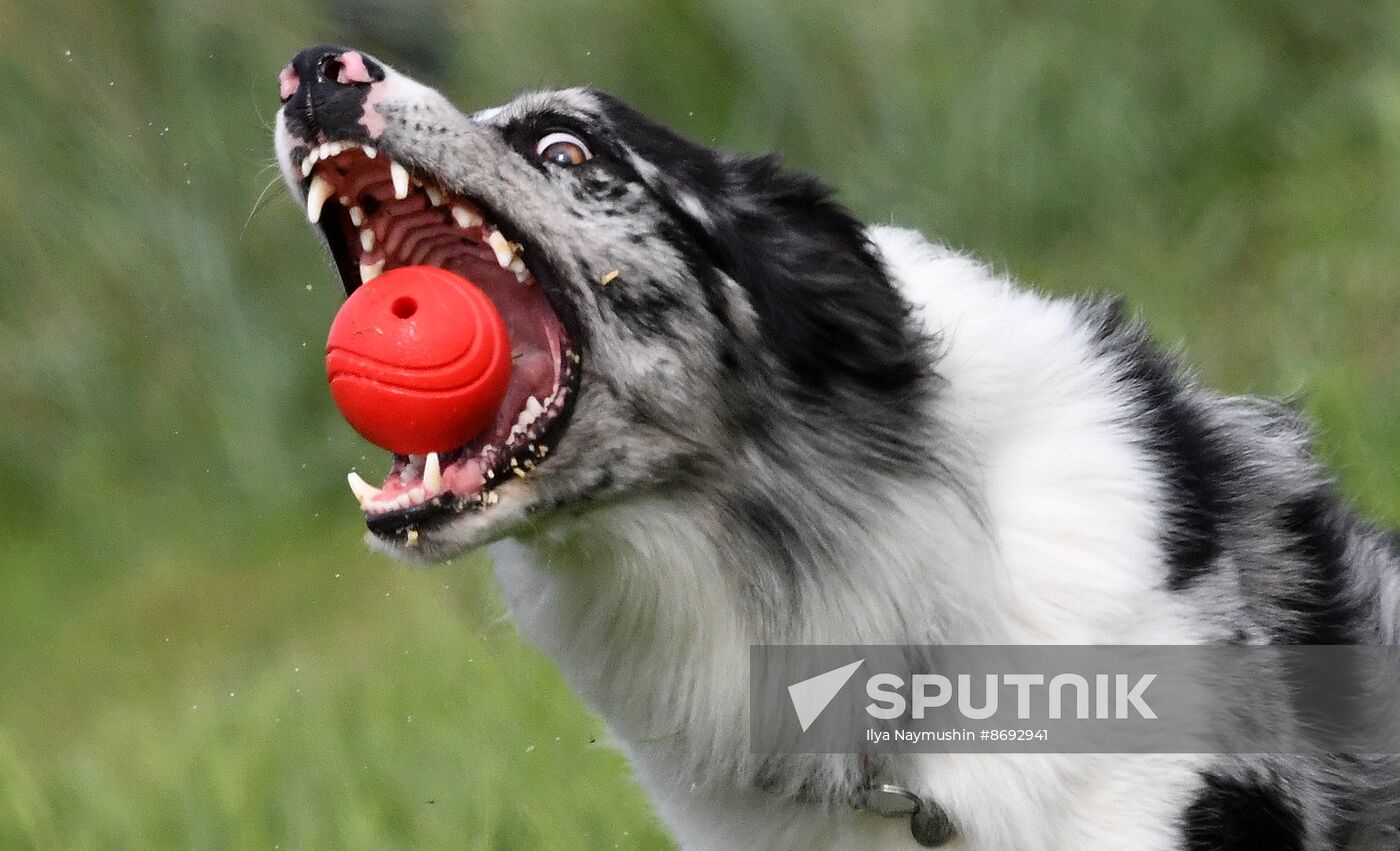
[629, 595]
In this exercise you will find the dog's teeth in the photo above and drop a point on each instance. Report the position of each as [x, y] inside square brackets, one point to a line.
[316, 197]
[364, 492]
[505, 251]
[370, 151]
[357, 216]
[527, 417]
[518, 267]
[367, 240]
[434, 195]
[432, 473]
[465, 218]
[399, 175]
[308, 163]
[417, 495]
[370, 272]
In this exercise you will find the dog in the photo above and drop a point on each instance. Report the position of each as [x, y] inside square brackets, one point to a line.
[739, 417]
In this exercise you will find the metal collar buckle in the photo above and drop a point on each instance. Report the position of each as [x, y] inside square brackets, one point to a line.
[928, 824]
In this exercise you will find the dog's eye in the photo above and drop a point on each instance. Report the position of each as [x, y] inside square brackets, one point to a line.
[562, 149]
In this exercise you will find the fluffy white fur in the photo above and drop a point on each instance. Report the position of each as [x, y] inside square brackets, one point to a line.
[639, 609]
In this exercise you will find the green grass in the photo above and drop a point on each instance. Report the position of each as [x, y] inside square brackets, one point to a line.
[181, 663]
[287, 700]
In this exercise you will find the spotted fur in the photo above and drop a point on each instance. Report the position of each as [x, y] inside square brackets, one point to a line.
[794, 428]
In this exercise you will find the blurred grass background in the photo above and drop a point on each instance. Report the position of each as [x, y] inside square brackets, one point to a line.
[195, 650]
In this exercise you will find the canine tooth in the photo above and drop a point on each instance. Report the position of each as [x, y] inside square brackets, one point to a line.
[364, 492]
[370, 272]
[370, 151]
[432, 473]
[434, 195]
[316, 196]
[505, 251]
[399, 175]
[367, 240]
[357, 216]
[466, 218]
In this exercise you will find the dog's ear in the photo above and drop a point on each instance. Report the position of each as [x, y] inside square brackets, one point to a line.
[823, 299]
[822, 296]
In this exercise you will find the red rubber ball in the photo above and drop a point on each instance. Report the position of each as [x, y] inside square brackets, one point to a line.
[418, 360]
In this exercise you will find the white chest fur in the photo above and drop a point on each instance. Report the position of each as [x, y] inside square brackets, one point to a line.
[641, 607]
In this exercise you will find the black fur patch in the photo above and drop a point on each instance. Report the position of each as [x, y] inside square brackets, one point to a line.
[826, 307]
[1313, 524]
[1233, 815]
[1195, 465]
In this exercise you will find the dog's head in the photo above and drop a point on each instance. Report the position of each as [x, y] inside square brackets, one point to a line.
[670, 307]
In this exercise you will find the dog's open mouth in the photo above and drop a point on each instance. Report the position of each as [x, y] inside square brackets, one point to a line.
[376, 216]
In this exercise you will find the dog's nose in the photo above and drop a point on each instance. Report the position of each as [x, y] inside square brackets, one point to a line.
[325, 72]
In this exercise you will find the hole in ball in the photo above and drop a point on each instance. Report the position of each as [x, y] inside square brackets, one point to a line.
[404, 306]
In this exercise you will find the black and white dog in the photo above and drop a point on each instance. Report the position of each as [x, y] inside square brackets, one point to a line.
[737, 416]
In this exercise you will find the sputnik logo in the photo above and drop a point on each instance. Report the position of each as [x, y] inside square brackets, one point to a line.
[812, 696]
